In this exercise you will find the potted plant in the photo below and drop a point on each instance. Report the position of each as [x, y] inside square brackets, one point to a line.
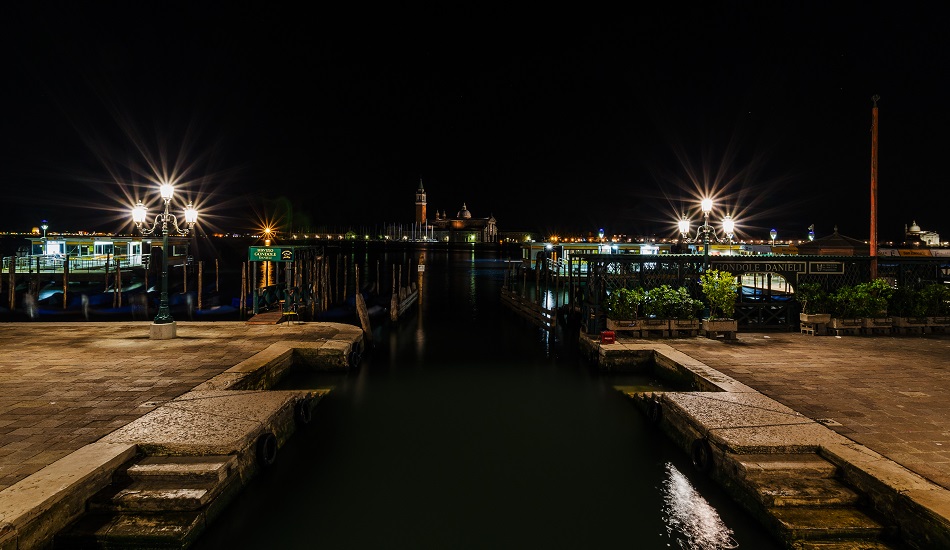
[815, 303]
[657, 307]
[720, 289]
[622, 307]
[875, 295]
[862, 306]
[909, 309]
[846, 309]
[936, 302]
[673, 308]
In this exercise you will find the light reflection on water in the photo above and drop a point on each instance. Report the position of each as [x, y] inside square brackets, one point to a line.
[690, 520]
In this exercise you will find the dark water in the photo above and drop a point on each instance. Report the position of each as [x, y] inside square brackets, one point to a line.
[469, 428]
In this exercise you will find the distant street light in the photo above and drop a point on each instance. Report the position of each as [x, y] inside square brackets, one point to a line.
[163, 326]
[706, 233]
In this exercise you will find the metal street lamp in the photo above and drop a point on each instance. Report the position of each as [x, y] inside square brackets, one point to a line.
[44, 227]
[164, 325]
[773, 233]
[706, 233]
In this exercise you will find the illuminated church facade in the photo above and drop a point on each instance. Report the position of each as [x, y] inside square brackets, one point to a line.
[460, 228]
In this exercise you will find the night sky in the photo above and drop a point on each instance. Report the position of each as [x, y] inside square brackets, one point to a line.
[551, 121]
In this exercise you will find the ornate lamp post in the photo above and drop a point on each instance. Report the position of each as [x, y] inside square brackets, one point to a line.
[773, 233]
[163, 326]
[706, 233]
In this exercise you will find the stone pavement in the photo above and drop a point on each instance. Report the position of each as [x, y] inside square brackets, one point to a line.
[65, 385]
[888, 393]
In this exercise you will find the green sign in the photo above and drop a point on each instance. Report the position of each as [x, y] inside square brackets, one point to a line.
[270, 254]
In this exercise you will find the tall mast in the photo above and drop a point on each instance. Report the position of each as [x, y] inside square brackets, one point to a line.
[875, 99]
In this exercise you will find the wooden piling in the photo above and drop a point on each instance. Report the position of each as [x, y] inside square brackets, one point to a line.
[361, 307]
[394, 300]
[242, 308]
[200, 275]
[12, 286]
[118, 283]
[65, 281]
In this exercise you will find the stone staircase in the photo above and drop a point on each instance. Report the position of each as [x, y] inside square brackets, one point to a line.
[156, 502]
[802, 501]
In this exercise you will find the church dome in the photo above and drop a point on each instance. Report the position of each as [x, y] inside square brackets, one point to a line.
[914, 228]
[464, 213]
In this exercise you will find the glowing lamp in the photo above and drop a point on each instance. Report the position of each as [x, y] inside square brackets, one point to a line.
[684, 225]
[191, 214]
[166, 190]
[706, 205]
[728, 226]
[138, 214]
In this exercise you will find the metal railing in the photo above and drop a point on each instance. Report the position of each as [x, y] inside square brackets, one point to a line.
[47, 263]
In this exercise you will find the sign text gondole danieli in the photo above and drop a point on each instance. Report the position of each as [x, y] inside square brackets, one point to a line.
[760, 267]
[269, 254]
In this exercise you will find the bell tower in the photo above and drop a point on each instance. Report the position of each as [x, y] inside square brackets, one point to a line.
[420, 204]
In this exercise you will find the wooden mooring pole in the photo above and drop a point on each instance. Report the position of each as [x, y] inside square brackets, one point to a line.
[361, 307]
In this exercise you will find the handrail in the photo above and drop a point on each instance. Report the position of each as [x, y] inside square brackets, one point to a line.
[53, 263]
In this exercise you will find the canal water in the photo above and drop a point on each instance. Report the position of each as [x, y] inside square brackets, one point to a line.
[467, 427]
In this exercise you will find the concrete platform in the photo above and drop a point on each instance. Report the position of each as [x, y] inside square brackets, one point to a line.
[77, 400]
[752, 402]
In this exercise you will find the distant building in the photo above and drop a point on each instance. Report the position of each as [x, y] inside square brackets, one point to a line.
[835, 245]
[460, 228]
[915, 236]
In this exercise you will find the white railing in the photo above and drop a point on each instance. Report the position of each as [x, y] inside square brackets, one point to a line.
[53, 263]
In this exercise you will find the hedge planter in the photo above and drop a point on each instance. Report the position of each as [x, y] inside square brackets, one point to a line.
[630, 325]
[904, 325]
[939, 324]
[727, 328]
[655, 327]
[689, 326]
[823, 318]
[874, 325]
[846, 326]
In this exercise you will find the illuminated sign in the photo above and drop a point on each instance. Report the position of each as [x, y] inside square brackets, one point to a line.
[759, 267]
[269, 254]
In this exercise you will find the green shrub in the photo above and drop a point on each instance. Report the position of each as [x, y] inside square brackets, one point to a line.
[907, 302]
[720, 288]
[935, 299]
[666, 302]
[624, 303]
[862, 300]
[813, 298]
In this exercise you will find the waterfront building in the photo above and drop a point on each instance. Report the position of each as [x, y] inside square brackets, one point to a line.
[835, 245]
[90, 252]
[915, 236]
[463, 227]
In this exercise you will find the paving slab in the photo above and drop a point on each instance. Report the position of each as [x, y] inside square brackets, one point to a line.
[887, 393]
[750, 422]
[66, 385]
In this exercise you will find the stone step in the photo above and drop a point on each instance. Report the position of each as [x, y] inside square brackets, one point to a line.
[792, 489]
[153, 496]
[809, 523]
[170, 530]
[810, 465]
[186, 468]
